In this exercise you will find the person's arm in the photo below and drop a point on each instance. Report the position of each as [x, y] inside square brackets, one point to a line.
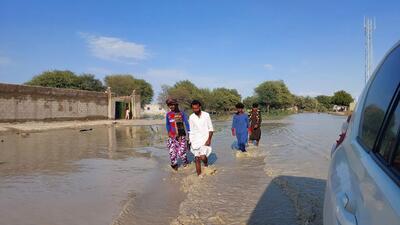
[234, 126]
[210, 131]
[185, 120]
[210, 134]
[191, 125]
[167, 124]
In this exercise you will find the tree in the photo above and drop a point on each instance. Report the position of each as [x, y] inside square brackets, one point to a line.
[224, 99]
[184, 91]
[123, 85]
[67, 79]
[310, 104]
[145, 90]
[274, 94]
[162, 97]
[325, 100]
[89, 83]
[248, 101]
[219, 99]
[299, 101]
[342, 98]
[56, 79]
[205, 96]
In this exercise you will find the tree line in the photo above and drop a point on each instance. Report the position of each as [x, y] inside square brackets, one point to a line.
[268, 94]
[276, 95]
[121, 84]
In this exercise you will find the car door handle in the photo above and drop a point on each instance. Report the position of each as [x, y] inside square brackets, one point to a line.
[343, 215]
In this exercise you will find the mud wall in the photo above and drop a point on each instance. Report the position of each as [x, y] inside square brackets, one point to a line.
[26, 103]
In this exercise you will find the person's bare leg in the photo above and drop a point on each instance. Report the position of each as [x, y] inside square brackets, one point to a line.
[198, 165]
[204, 159]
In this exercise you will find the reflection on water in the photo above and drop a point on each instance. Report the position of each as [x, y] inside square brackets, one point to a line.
[72, 177]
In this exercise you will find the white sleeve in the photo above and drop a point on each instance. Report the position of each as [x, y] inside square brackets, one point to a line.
[209, 124]
[191, 125]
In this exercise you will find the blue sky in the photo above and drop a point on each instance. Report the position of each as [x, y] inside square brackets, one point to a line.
[315, 46]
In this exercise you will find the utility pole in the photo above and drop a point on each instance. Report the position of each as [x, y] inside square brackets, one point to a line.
[369, 27]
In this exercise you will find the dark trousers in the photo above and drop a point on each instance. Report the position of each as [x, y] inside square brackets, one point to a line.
[242, 147]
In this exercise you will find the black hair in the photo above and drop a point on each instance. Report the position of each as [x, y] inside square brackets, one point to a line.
[195, 102]
[255, 105]
[239, 105]
[176, 108]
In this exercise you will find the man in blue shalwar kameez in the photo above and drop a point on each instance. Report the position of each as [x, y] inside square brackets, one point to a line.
[240, 125]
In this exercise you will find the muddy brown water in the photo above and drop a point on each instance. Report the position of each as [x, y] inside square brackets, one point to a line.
[121, 175]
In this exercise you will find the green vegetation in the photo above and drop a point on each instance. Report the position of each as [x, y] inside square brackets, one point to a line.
[218, 100]
[124, 84]
[274, 94]
[121, 85]
[342, 98]
[273, 97]
[66, 79]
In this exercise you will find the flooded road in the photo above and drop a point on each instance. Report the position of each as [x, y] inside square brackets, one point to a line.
[121, 175]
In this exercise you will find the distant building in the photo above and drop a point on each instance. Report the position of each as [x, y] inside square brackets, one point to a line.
[153, 109]
[339, 108]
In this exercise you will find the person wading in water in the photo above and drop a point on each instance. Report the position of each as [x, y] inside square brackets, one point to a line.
[255, 123]
[200, 135]
[177, 127]
[240, 125]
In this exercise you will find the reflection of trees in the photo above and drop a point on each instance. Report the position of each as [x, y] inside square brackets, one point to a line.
[51, 152]
[56, 151]
[373, 117]
[137, 136]
[389, 137]
[396, 160]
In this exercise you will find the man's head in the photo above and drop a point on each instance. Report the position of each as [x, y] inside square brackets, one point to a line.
[239, 107]
[172, 104]
[255, 105]
[196, 107]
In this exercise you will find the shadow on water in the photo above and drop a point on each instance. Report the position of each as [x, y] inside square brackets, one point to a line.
[290, 200]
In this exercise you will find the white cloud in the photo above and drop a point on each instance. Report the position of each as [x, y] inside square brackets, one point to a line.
[4, 60]
[268, 66]
[115, 49]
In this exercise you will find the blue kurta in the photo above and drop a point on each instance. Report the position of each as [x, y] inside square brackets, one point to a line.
[241, 122]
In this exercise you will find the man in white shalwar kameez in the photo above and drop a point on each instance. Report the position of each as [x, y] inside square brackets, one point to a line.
[201, 132]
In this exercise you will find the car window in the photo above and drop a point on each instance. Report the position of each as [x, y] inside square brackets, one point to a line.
[389, 135]
[378, 98]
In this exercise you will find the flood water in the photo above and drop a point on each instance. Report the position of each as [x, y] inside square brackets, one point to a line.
[121, 175]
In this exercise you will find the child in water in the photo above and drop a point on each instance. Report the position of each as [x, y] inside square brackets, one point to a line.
[240, 125]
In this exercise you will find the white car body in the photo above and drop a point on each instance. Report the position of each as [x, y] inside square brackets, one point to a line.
[359, 190]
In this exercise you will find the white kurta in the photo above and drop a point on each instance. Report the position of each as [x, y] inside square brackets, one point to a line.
[199, 132]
